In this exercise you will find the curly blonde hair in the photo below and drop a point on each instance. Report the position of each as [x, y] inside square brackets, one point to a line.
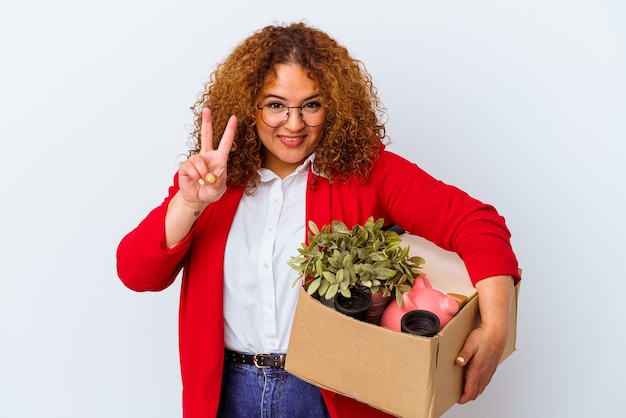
[353, 134]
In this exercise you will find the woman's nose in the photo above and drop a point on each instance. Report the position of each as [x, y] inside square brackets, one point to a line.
[294, 119]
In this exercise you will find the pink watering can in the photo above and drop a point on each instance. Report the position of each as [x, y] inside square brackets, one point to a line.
[422, 298]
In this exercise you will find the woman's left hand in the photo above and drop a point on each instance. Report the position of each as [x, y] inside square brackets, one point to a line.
[484, 346]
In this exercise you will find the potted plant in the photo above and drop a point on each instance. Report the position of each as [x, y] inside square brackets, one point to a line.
[339, 260]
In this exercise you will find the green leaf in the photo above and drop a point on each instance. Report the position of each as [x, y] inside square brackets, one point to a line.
[341, 277]
[336, 260]
[361, 239]
[332, 291]
[390, 248]
[313, 286]
[291, 263]
[399, 297]
[347, 260]
[375, 257]
[404, 288]
[417, 260]
[319, 268]
[329, 276]
[313, 228]
[340, 227]
[385, 273]
[323, 288]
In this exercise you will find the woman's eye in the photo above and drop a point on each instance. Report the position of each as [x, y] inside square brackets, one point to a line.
[312, 105]
[275, 106]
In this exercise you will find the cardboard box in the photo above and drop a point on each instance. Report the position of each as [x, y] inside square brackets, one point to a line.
[402, 374]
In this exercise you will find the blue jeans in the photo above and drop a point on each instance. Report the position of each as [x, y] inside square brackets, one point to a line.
[248, 391]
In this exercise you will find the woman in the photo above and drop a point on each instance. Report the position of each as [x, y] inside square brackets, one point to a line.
[288, 131]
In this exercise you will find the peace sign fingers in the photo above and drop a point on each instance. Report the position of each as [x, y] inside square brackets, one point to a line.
[216, 159]
[206, 134]
[202, 177]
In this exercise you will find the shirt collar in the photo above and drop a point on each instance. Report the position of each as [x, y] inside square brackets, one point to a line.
[268, 175]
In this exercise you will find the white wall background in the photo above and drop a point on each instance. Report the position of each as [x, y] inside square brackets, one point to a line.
[522, 104]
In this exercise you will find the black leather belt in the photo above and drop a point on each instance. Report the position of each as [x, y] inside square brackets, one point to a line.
[262, 361]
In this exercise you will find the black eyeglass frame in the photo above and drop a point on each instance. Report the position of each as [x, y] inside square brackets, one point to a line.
[287, 118]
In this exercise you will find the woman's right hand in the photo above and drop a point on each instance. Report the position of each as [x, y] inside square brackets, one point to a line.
[202, 180]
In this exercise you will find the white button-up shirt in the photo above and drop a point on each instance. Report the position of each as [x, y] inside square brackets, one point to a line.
[259, 296]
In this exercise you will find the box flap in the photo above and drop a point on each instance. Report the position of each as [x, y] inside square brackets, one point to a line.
[444, 269]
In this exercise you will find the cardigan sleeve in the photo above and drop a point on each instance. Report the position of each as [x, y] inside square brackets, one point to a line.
[447, 216]
[144, 262]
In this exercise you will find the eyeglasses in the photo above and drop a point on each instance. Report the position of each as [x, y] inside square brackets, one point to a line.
[276, 114]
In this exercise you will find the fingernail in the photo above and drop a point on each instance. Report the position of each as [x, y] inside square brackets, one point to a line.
[460, 359]
[201, 182]
[210, 178]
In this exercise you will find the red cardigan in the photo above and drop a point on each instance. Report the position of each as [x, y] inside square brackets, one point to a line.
[398, 191]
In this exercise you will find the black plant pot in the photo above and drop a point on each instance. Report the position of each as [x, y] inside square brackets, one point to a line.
[355, 306]
[328, 302]
[419, 322]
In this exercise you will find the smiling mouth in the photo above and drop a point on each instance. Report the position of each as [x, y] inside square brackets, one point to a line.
[292, 139]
